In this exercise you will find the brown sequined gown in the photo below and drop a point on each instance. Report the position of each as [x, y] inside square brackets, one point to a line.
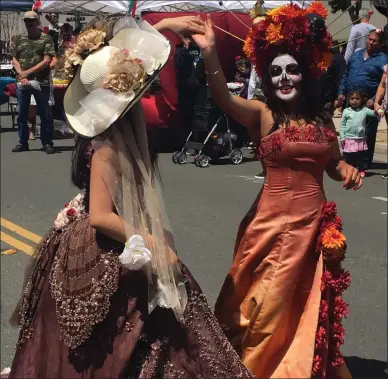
[110, 315]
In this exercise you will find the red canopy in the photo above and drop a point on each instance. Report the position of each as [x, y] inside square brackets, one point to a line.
[228, 48]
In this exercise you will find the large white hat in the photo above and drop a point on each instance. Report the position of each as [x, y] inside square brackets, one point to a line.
[96, 97]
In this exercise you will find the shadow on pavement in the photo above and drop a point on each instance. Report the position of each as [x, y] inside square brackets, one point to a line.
[379, 166]
[366, 368]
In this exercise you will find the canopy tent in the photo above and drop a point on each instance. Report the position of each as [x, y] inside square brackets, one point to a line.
[16, 6]
[121, 6]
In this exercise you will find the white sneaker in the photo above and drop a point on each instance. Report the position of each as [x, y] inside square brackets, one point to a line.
[260, 176]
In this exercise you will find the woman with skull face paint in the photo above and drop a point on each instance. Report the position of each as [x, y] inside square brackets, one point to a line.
[281, 304]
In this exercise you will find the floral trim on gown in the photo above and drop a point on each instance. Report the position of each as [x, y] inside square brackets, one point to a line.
[330, 334]
[73, 327]
[281, 304]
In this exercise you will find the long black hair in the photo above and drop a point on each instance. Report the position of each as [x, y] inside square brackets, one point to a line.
[80, 161]
[311, 106]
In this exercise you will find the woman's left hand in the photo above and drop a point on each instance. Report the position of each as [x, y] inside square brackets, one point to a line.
[182, 26]
[350, 176]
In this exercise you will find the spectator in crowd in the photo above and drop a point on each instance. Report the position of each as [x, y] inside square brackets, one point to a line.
[381, 101]
[330, 81]
[352, 130]
[32, 54]
[32, 111]
[359, 34]
[364, 72]
[187, 57]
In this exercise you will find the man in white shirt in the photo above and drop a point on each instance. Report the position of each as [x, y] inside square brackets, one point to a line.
[359, 34]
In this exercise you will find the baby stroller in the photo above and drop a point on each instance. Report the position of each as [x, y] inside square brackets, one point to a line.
[216, 144]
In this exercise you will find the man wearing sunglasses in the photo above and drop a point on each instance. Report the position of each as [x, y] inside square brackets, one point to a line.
[32, 54]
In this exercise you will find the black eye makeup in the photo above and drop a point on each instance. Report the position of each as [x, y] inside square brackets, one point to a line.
[291, 69]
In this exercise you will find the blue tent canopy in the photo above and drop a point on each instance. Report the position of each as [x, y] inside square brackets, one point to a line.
[16, 6]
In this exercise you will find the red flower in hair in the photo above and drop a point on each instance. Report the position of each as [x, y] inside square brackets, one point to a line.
[317, 8]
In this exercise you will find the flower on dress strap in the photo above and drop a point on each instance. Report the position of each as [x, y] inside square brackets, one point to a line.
[261, 151]
[329, 134]
[135, 255]
[292, 133]
[311, 134]
[276, 143]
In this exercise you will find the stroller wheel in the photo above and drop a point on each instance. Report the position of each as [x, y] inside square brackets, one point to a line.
[203, 161]
[182, 157]
[175, 157]
[236, 156]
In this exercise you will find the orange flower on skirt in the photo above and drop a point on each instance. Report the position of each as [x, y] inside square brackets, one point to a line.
[333, 244]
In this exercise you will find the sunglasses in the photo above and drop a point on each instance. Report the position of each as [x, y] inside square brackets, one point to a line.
[291, 69]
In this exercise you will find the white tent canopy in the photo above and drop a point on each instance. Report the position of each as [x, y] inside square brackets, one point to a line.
[121, 6]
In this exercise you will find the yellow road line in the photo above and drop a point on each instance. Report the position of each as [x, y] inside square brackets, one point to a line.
[19, 230]
[17, 244]
[8, 252]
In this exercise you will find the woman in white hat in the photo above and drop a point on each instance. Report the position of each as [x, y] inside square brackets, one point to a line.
[108, 297]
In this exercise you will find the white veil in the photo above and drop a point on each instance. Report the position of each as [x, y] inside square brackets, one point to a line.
[129, 177]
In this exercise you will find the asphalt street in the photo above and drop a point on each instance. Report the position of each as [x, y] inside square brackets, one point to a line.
[205, 207]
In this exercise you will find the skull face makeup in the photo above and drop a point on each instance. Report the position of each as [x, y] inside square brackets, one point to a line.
[286, 77]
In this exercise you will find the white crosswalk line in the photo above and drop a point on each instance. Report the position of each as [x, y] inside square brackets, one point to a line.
[380, 198]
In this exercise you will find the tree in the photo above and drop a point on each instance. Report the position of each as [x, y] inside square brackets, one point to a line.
[343, 5]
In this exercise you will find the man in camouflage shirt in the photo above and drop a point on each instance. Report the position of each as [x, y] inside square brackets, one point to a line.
[32, 54]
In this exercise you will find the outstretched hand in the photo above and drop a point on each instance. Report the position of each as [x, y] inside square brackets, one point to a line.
[350, 175]
[185, 26]
[206, 40]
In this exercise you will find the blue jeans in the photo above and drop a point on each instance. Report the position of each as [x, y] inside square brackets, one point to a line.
[42, 103]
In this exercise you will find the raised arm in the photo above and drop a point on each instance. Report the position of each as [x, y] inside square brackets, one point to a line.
[247, 113]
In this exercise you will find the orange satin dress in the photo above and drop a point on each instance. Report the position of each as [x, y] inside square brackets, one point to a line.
[269, 303]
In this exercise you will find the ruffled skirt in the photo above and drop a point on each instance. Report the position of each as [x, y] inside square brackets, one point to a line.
[122, 341]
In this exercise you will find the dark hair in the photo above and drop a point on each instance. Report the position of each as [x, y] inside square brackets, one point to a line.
[313, 107]
[80, 161]
[362, 94]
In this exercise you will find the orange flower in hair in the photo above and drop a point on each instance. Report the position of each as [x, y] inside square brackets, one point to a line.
[317, 8]
[273, 33]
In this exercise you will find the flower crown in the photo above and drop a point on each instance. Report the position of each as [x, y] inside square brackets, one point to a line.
[291, 30]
